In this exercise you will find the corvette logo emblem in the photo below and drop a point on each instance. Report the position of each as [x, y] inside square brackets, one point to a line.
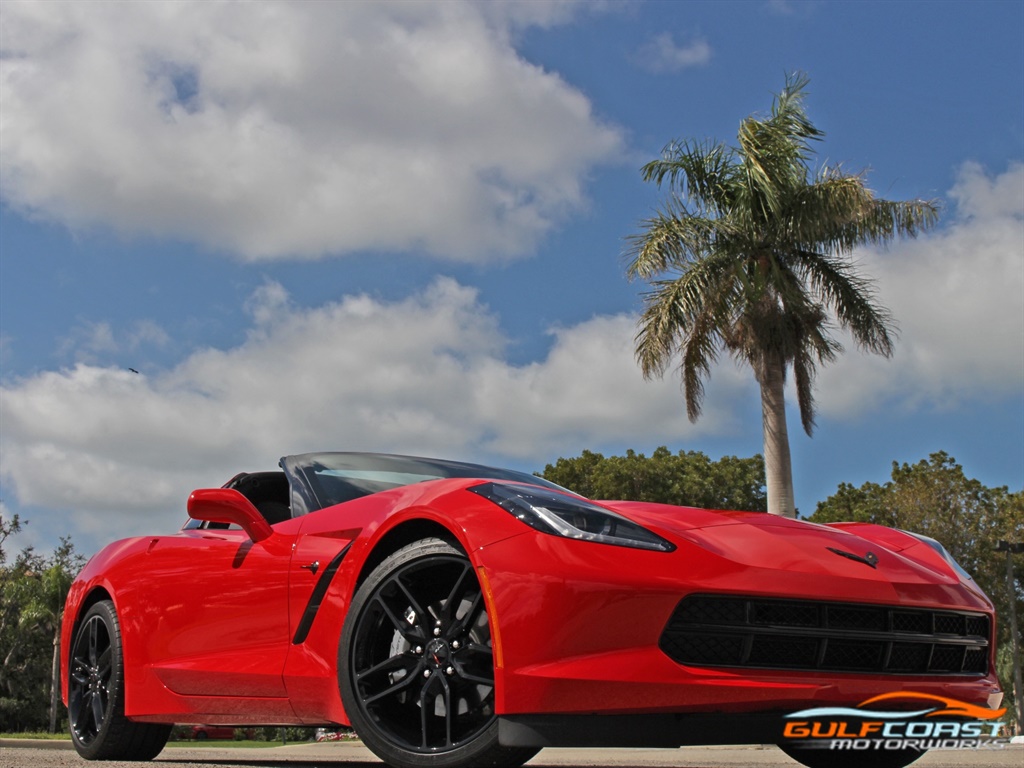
[869, 558]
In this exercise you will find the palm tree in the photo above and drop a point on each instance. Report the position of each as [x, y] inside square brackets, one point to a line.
[751, 255]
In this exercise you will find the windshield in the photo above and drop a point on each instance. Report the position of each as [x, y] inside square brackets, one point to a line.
[333, 478]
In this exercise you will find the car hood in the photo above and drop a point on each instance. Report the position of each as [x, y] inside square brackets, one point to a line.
[760, 540]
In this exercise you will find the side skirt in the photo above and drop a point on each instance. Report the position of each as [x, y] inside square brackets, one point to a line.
[638, 731]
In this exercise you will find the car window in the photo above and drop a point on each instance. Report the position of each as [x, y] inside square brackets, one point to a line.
[326, 479]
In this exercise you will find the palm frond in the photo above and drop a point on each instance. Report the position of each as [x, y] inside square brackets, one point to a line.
[685, 317]
[705, 339]
[674, 239]
[660, 329]
[804, 373]
[887, 219]
[814, 346]
[775, 151]
[789, 116]
[701, 172]
[824, 214]
[852, 299]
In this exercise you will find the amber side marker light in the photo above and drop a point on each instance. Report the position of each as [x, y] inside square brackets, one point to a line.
[492, 612]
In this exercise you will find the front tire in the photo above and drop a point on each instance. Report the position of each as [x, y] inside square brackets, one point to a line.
[415, 664]
[876, 758]
[99, 728]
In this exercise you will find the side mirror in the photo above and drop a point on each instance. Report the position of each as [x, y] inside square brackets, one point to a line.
[226, 505]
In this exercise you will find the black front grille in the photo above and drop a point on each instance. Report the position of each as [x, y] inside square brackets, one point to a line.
[727, 631]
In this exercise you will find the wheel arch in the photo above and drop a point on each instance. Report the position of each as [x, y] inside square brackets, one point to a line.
[100, 727]
[95, 595]
[71, 622]
[402, 535]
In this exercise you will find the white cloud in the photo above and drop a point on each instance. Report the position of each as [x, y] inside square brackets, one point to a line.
[119, 452]
[147, 332]
[91, 341]
[278, 129]
[107, 453]
[661, 54]
[588, 391]
[791, 7]
[958, 296]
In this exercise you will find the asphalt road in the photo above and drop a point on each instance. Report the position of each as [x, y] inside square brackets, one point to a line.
[19, 755]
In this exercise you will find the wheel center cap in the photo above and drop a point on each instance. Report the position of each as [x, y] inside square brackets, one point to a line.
[438, 652]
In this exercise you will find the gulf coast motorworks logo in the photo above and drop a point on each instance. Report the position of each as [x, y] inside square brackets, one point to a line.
[923, 721]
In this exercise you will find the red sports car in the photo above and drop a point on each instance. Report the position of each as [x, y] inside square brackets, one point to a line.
[458, 615]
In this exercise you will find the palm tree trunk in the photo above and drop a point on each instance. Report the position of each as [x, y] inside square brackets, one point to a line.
[777, 464]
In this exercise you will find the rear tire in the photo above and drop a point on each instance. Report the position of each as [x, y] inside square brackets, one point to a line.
[99, 728]
[415, 664]
[875, 758]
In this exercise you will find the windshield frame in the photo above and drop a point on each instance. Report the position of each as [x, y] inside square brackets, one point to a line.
[355, 475]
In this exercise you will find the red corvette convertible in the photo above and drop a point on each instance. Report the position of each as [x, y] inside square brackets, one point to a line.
[458, 615]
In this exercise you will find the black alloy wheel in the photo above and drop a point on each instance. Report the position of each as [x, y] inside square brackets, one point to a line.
[416, 666]
[99, 728]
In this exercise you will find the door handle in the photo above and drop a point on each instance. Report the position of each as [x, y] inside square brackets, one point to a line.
[312, 567]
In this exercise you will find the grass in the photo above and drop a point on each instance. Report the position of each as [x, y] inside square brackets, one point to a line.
[65, 736]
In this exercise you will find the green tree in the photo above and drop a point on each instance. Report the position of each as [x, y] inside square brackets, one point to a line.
[24, 655]
[687, 478]
[7, 529]
[32, 593]
[44, 611]
[751, 255]
[935, 497]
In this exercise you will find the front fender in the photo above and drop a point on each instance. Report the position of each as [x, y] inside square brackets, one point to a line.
[98, 580]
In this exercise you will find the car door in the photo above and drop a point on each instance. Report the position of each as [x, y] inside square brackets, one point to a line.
[223, 627]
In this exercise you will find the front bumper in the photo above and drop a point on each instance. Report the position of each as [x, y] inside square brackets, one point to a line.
[578, 628]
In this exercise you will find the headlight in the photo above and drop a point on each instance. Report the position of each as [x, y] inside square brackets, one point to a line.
[570, 517]
[943, 552]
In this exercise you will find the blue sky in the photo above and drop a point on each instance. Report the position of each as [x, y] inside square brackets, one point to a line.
[400, 227]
